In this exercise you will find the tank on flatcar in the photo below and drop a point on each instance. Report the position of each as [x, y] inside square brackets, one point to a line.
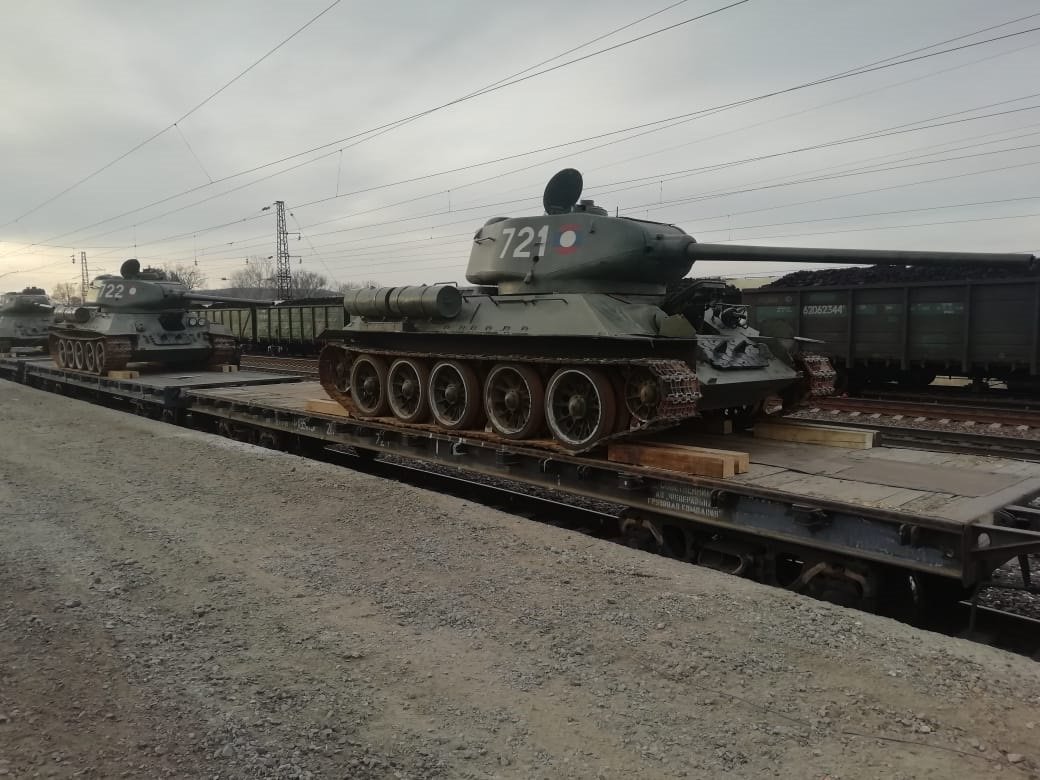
[571, 330]
[138, 316]
[24, 319]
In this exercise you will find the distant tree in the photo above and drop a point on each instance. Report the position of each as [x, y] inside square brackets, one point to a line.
[254, 280]
[65, 292]
[191, 276]
[307, 284]
[345, 287]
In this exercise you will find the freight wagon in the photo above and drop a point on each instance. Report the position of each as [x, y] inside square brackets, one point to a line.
[288, 327]
[911, 333]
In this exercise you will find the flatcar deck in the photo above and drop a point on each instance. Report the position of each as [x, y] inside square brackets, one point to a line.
[841, 512]
[960, 488]
[876, 506]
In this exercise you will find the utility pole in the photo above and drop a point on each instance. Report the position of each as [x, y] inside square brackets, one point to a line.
[283, 269]
[84, 276]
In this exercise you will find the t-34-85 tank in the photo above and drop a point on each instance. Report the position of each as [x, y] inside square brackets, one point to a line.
[24, 319]
[139, 316]
[572, 329]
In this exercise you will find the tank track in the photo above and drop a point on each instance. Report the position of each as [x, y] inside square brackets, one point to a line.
[676, 385]
[118, 350]
[819, 372]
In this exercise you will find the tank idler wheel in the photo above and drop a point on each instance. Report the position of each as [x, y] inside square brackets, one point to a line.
[580, 406]
[514, 400]
[77, 354]
[407, 382]
[454, 394]
[89, 361]
[62, 356]
[368, 385]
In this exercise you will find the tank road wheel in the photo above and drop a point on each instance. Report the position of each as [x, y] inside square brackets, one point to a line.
[641, 394]
[77, 354]
[63, 358]
[368, 385]
[580, 406]
[514, 398]
[406, 383]
[89, 362]
[100, 356]
[455, 396]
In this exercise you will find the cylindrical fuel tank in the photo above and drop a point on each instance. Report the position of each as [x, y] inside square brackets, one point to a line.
[71, 314]
[438, 301]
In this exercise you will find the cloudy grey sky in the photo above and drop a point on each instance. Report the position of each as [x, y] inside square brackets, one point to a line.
[83, 83]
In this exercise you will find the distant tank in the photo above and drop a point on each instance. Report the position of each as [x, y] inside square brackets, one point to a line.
[24, 319]
[139, 316]
[573, 330]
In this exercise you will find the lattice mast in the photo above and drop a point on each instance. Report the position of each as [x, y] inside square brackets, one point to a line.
[283, 269]
[84, 276]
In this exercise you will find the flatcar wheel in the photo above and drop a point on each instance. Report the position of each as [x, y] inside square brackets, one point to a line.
[407, 383]
[455, 396]
[77, 354]
[580, 406]
[62, 358]
[89, 358]
[368, 385]
[514, 398]
[100, 356]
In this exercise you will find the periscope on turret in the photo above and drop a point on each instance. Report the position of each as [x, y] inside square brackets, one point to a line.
[140, 316]
[581, 326]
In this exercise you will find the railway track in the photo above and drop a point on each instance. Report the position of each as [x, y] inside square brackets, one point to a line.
[902, 410]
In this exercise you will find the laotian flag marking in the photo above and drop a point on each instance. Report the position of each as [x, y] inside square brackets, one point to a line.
[567, 240]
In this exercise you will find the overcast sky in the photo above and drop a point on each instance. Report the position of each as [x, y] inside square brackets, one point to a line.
[84, 83]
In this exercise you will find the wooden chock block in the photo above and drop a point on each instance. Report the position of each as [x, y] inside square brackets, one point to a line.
[326, 406]
[741, 460]
[685, 460]
[123, 374]
[809, 433]
[228, 368]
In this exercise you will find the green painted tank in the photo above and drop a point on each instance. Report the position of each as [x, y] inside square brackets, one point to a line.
[139, 316]
[24, 319]
[580, 326]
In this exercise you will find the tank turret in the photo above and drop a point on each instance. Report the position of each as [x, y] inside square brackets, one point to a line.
[140, 316]
[581, 326]
[24, 319]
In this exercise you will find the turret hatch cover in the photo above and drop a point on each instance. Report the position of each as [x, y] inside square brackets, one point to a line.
[562, 191]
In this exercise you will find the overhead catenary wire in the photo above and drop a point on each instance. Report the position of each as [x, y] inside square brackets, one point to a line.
[175, 122]
[891, 61]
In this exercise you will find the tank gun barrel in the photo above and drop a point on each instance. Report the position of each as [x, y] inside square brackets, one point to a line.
[791, 254]
[204, 298]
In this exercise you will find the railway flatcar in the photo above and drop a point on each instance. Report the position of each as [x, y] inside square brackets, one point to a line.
[284, 328]
[909, 332]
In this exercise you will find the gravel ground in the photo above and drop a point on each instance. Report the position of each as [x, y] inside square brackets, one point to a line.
[176, 604]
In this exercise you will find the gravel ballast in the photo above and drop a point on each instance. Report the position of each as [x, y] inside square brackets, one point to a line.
[179, 605]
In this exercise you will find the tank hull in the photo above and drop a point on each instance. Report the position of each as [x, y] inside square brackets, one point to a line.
[23, 331]
[96, 350]
[574, 359]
